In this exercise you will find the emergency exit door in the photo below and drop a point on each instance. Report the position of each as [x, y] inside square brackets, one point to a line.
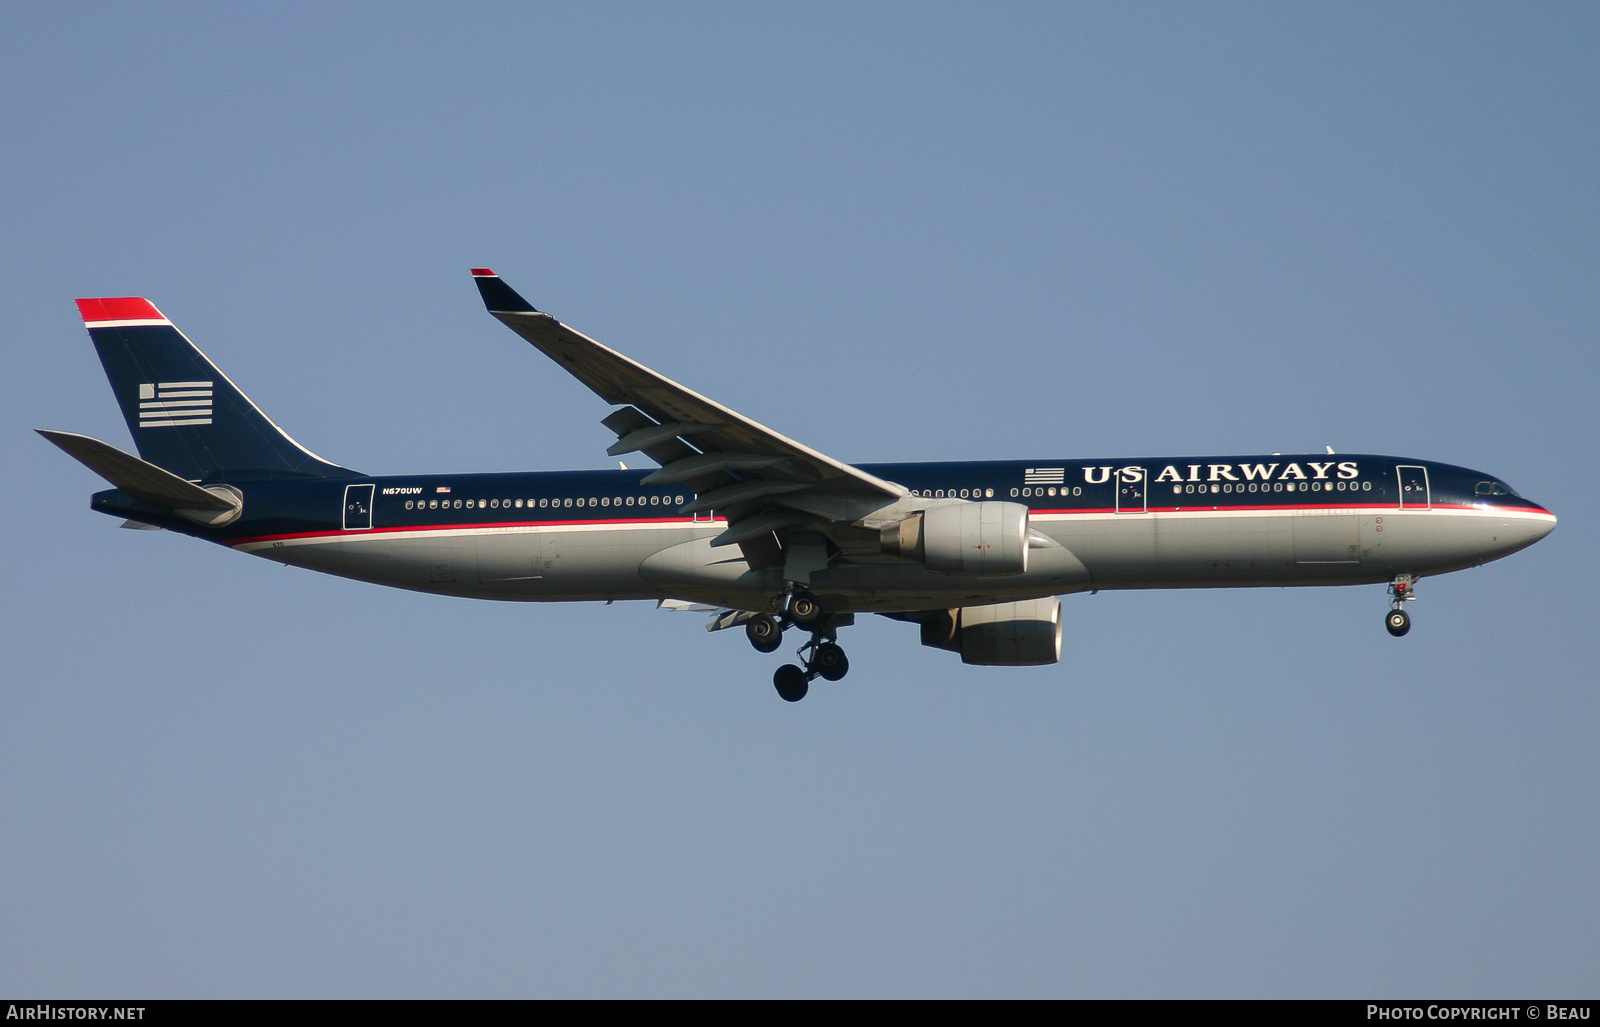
[1131, 483]
[358, 507]
[1414, 493]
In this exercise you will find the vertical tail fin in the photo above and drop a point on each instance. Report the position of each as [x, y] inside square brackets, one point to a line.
[184, 413]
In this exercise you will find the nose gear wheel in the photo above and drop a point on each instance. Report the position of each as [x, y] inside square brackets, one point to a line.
[1402, 590]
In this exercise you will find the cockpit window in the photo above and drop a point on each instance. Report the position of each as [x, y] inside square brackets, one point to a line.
[1493, 488]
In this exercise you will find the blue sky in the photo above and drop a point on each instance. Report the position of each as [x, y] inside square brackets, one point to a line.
[896, 231]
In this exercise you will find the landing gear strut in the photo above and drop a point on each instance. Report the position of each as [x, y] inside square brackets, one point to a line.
[1401, 591]
[821, 657]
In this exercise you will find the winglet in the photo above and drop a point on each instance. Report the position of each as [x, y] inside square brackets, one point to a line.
[499, 297]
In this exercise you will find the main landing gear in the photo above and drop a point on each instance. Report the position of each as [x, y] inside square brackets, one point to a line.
[821, 657]
[764, 632]
[1401, 591]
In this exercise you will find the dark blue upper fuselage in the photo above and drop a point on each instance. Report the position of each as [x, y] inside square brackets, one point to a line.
[279, 507]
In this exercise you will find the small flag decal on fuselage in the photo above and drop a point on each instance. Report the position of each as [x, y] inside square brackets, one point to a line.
[1044, 475]
[172, 404]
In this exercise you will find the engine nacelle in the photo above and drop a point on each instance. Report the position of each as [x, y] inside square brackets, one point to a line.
[1025, 634]
[964, 538]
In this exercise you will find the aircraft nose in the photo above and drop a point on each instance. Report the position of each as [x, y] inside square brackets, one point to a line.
[1547, 524]
[1533, 525]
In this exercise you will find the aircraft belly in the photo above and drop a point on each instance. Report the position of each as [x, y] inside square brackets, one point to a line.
[1188, 550]
[1303, 547]
[696, 571]
[571, 564]
[1144, 550]
[1434, 541]
[508, 564]
[426, 564]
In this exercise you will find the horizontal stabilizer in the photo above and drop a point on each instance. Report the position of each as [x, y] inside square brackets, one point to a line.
[140, 479]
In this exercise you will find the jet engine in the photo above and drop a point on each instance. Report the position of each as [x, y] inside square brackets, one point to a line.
[964, 538]
[1025, 634]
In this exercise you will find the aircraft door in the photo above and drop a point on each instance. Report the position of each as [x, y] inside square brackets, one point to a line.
[358, 507]
[1131, 482]
[1414, 494]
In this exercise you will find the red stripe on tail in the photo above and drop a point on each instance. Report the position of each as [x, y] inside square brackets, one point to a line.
[121, 308]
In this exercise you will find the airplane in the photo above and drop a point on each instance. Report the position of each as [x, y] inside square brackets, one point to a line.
[761, 530]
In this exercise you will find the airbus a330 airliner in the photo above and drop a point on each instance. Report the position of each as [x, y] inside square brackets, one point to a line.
[766, 532]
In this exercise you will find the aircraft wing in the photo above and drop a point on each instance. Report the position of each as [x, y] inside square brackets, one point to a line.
[761, 481]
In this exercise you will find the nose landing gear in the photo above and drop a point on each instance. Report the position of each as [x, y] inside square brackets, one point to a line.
[1401, 591]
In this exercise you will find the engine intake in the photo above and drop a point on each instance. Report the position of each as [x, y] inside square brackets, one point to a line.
[1024, 634]
[964, 538]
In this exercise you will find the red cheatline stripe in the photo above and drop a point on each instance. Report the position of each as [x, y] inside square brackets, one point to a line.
[1220, 508]
[460, 527]
[119, 308]
[689, 520]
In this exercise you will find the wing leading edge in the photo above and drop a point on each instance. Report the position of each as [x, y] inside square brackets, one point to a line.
[762, 482]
